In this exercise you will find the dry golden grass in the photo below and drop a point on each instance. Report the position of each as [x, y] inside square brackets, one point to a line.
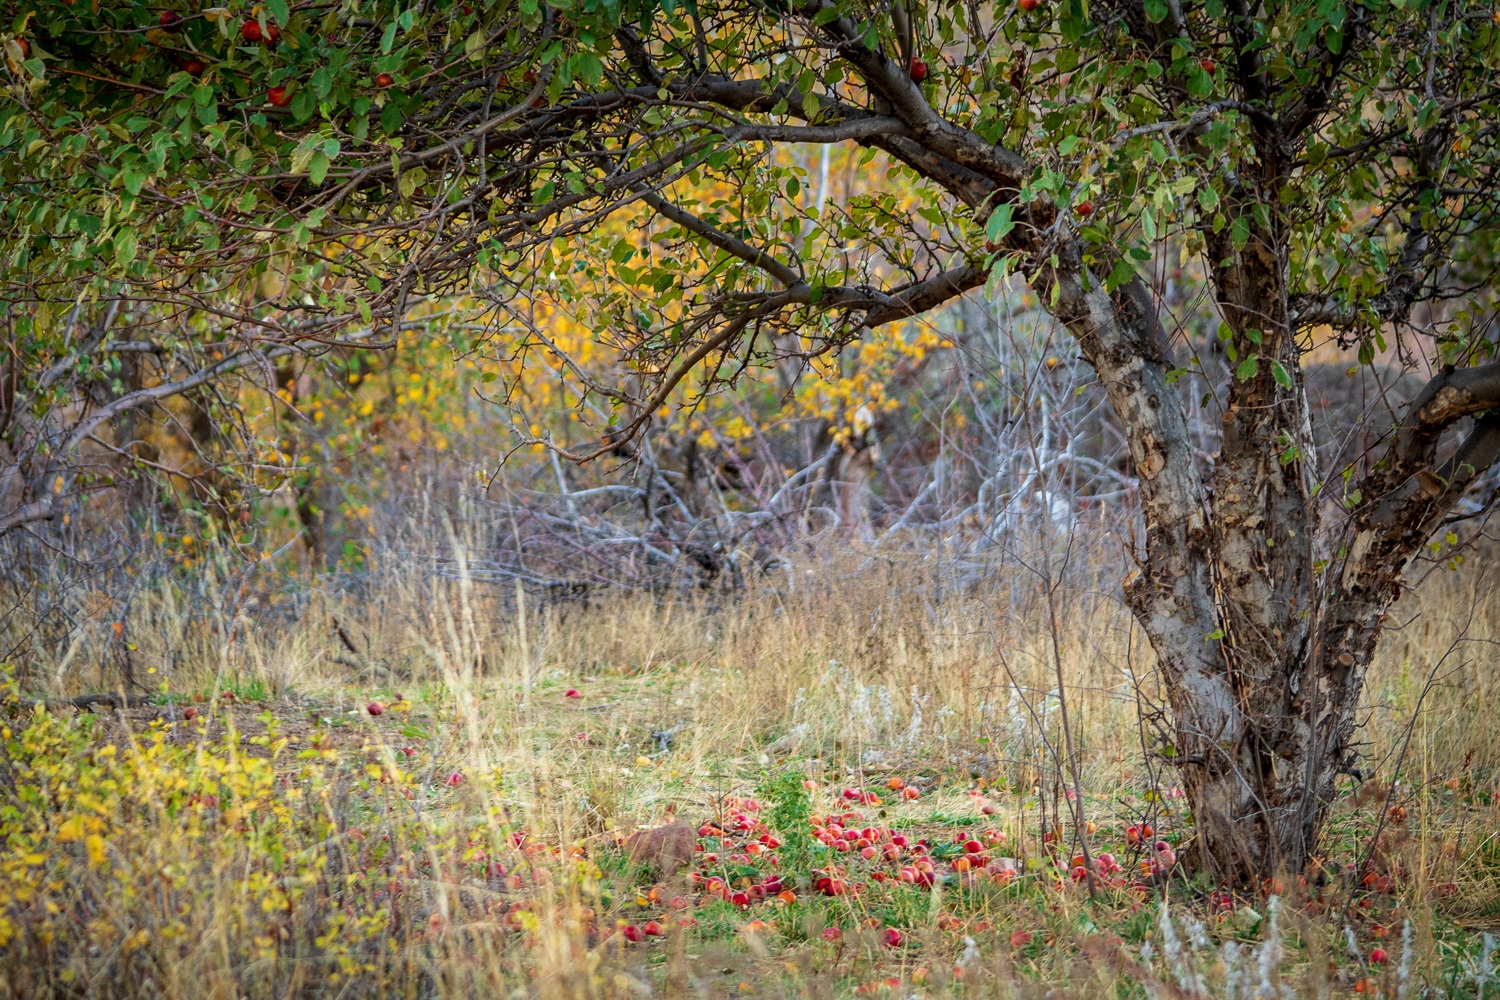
[287, 843]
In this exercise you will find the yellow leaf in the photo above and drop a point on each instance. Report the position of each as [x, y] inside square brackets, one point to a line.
[474, 44]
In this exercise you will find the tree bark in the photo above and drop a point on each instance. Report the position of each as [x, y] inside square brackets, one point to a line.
[1263, 674]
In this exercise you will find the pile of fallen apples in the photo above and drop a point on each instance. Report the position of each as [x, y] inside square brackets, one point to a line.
[916, 861]
[737, 860]
[735, 852]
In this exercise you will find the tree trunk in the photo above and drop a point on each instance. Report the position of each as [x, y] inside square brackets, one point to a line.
[1263, 648]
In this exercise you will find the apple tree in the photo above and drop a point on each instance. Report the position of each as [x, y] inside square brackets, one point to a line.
[292, 175]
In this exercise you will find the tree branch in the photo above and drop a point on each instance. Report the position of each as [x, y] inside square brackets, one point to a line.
[1449, 396]
[856, 129]
[45, 507]
[893, 83]
[919, 297]
[738, 248]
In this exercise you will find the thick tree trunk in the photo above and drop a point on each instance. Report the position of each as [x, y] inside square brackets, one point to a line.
[1263, 619]
[1262, 649]
[1260, 799]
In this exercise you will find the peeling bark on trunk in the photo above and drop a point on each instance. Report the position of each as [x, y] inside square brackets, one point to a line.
[1171, 592]
[1264, 656]
[1252, 800]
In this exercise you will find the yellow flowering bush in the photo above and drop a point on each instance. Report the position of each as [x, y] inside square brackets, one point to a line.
[191, 852]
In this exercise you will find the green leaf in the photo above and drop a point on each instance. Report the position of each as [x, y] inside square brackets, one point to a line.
[391, 117]
[125, 244]
[1247, 368]
[317, 168]
[1199, 83]
[1239, 232]
[1000, 222]
[304, 104]
[588, 68]
[1123, 272]
[1279, 373]
[321, 82]
[278, 10]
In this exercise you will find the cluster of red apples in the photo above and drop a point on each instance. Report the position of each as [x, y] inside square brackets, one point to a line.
[252, 32]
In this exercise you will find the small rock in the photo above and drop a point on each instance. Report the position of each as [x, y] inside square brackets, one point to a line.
[664, 849]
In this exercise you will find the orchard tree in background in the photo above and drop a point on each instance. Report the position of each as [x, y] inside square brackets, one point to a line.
[294, 175]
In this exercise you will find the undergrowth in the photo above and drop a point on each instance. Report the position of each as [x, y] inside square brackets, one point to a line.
[868, 785]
